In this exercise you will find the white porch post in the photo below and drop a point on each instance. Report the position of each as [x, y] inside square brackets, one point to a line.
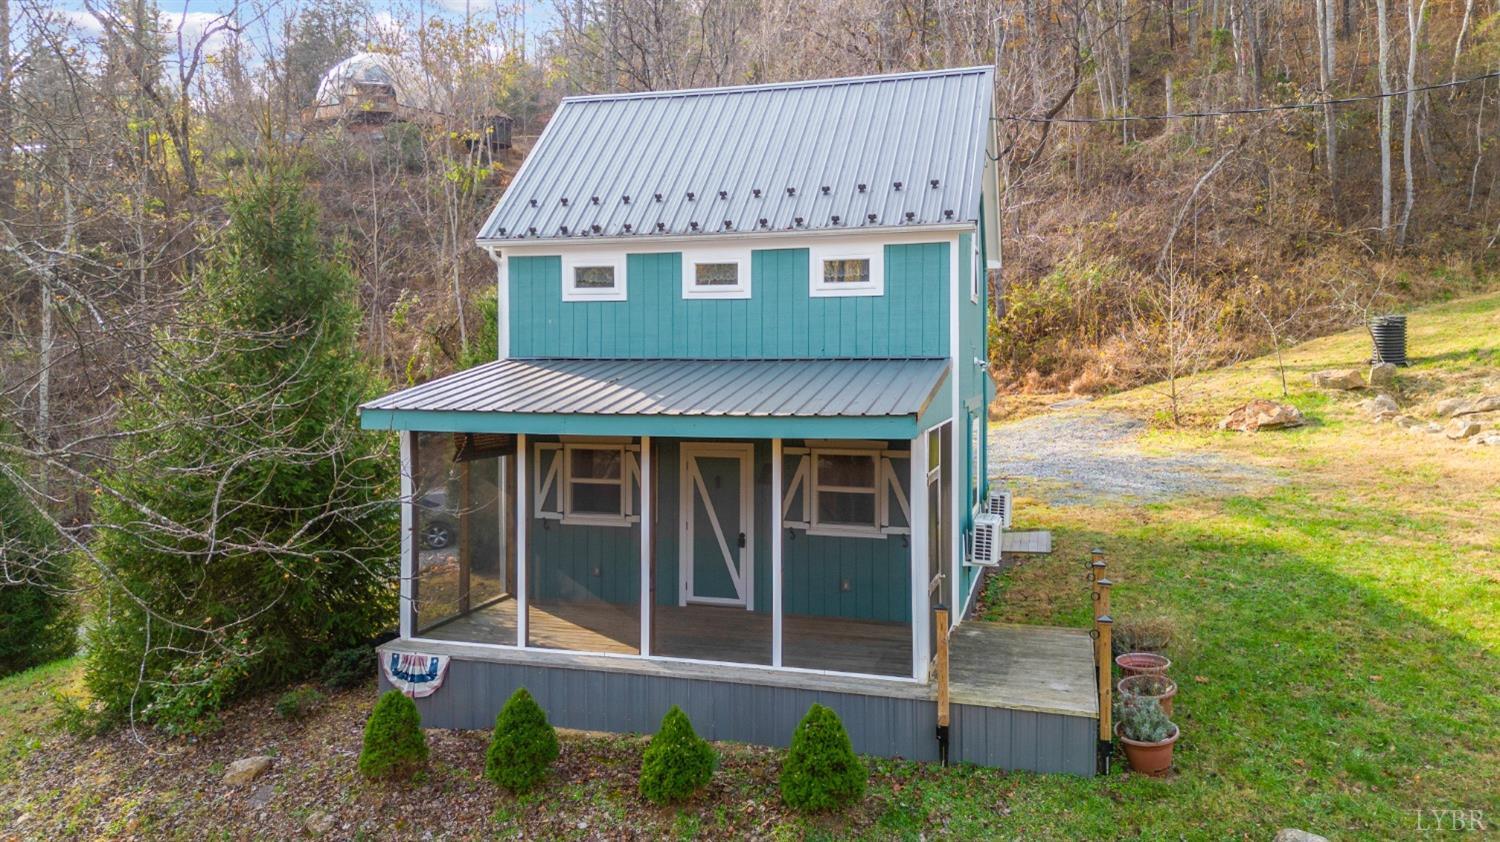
[408, 565]
[522, 481]
[921, 617]
[647, 533]
[776, 536]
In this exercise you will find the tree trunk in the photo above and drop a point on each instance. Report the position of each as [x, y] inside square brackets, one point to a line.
[1383, 36]
[1414, 14]
[1326, 69]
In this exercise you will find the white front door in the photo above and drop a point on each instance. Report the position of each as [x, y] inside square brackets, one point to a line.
[717, 546]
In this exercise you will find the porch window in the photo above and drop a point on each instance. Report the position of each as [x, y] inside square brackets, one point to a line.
[847, 271]
[594, 484]
[846, 498]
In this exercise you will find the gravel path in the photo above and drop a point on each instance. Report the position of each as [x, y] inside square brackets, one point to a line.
[1073, 458]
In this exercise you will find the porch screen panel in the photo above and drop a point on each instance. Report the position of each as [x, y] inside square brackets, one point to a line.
[463, 539]
[583, 543]
[846, 573]
[713, 576]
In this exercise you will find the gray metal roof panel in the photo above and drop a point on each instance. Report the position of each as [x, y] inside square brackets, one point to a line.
[834, 133]
[771, 388]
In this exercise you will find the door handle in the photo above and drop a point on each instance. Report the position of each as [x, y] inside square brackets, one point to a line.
[742, 540]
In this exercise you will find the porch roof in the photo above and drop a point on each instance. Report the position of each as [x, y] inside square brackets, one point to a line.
[890, 398]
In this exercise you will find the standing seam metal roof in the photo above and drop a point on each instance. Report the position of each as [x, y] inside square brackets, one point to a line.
[603, 160]
[746, 388]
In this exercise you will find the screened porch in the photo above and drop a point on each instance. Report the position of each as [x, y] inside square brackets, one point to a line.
[789, 553]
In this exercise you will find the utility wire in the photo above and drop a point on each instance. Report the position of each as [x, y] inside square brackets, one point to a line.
[1290, 106]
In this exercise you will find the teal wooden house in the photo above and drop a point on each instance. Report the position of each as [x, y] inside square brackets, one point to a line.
[733, 449]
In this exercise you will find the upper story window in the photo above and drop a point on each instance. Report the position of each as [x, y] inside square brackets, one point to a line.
[593, 277]
[839, 270]
[718, 274]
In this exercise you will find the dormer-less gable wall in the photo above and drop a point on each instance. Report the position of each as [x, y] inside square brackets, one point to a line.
[780, 314]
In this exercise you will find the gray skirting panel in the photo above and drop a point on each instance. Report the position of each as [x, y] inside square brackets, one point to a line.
[625, 702]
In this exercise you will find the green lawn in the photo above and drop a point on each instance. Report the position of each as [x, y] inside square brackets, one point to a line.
[1336, 646]
[1336, 635]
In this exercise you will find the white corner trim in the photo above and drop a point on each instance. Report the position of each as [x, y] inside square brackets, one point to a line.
[957, 475]
[739, 256]
[574, 260]
[502, 293]
[871, 251]
[407, 568]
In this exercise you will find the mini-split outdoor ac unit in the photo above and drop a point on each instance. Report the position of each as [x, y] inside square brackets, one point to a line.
[984, 543]
[999, 503]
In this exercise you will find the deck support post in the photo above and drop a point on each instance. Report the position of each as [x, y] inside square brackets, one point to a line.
[522, 516]
[940, 615]
[777, 536]
[1103, 660]
[647, 544]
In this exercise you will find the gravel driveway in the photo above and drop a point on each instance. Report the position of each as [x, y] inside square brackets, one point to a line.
[1074, 457]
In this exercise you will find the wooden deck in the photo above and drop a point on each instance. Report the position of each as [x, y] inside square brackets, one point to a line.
[697, 632]
[1042, 669]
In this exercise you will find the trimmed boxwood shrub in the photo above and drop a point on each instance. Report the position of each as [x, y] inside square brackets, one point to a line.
[821, 772]
[677, 762]
[395, 746]
[522, 746]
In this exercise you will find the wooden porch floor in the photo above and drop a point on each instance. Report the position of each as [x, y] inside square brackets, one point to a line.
[699, 632]
[1044, 669]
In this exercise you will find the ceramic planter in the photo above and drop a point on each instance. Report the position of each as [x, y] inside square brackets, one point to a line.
[1142, 663]
[1151, 759]
[1148, 687]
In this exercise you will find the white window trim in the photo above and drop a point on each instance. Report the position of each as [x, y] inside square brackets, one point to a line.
[817, 526]
[571, 517]
[873, 252]
[572, 261]
[739, 257]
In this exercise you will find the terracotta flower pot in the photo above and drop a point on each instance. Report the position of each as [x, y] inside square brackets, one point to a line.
[1142, 663]
[1151, 759]
[1141, 685]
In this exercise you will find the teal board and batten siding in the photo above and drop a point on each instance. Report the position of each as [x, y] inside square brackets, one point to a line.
[898, 723]
[780, 320]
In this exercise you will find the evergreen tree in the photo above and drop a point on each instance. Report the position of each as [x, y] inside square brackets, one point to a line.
[677, 763]
[246, 526]
[522, 746]
[821, 772]
[36, 618]
[394, 745]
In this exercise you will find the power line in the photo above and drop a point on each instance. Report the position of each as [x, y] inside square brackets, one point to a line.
[1290, 106]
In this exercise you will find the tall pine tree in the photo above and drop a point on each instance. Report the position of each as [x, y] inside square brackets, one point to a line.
[37, 621]
[247, 527]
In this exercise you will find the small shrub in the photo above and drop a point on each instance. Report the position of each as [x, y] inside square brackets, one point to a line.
[1151, 634]
[1142, 719]
[76, 717]
[522, 746]
[348, 668]
[677, 762]
[821, 771]
[295, 704]
[395, 746]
